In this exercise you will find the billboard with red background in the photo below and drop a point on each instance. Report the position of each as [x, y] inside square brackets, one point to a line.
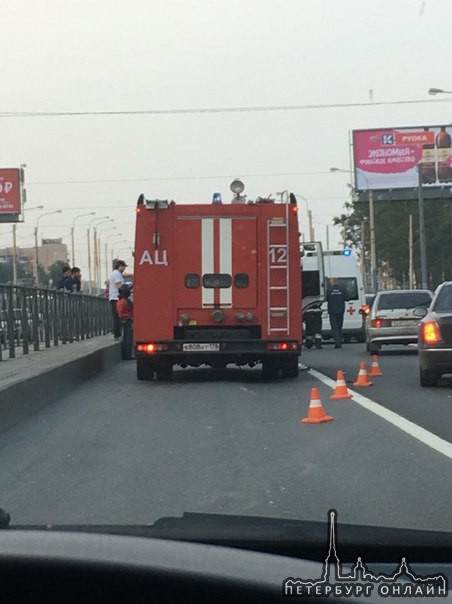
[10, 191]
[389, 158]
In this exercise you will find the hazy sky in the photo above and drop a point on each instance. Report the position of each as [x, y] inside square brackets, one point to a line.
[118, 55]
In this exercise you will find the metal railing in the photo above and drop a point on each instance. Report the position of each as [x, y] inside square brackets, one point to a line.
[32, 318]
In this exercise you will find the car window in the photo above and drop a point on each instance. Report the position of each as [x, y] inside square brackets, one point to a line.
[404, 300]
[443, 301]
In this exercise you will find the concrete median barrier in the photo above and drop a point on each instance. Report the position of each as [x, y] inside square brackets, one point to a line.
[42, 378]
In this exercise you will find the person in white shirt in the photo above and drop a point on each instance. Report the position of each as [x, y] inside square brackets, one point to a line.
[116, 280]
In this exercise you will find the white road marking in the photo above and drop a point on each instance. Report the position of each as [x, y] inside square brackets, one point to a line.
[248, 390]
[424, 436]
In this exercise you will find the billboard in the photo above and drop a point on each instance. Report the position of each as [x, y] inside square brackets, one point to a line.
[389, 158]
[10, 193]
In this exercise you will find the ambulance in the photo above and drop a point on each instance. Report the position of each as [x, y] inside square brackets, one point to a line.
[343, 264]
[217, 284]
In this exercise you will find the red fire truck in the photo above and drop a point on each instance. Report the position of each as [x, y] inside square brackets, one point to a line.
[217, 284]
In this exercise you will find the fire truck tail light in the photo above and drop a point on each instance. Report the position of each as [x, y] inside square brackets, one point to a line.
[282, 346]
[150, 348]
[239, 316]
[185, 317]
[249, 316]
[430, 332]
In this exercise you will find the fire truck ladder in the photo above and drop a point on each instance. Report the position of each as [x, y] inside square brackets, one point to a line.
[278, 274]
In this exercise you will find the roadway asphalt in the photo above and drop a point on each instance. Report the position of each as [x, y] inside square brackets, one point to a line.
[116, 450]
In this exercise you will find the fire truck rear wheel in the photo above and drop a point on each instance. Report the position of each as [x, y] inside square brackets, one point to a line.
[290, 368]
[270, 369]
[145, 368]
[164, 371]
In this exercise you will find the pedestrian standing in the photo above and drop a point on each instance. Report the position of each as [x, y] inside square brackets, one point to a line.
[66, 274]
[313, 326]
[336, 297]
[74, 282]
[116, 280]
[124, 308]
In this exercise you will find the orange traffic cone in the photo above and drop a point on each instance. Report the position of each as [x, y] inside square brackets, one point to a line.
[362, 379]
[316, 413]
[375, 367]
[341, 390]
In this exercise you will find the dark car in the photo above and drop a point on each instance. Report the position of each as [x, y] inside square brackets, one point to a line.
[435, 337]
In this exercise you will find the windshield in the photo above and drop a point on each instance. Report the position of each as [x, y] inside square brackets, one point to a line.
[443, 300]
[404, 300]
[166, 168]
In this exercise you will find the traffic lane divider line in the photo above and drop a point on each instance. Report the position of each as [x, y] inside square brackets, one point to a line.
[421, 434]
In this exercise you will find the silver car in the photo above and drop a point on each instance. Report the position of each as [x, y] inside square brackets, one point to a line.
[392, 320]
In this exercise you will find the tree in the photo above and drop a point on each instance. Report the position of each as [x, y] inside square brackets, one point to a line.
[6, 272]
[43, 277]
[391, 236]
[56, 270]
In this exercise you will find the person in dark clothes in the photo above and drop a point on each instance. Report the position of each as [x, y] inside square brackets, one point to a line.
[336, 298]
[115, 282]
[313, 326]
[66, 274]
[124, 308]
[74, 283]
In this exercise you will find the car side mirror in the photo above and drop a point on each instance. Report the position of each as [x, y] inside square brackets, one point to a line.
[420, 312]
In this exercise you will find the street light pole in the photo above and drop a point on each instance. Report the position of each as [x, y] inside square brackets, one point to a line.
[36, 242]
[99, 257]
[373, 251]
[107, 272]
[311, 229]
[73, 233]
[88, 237]
[422, 246]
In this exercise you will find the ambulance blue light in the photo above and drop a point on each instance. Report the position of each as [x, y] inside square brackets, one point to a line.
[347, 252]
[216, 198]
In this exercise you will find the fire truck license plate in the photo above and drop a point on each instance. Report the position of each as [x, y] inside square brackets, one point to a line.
[201, 347]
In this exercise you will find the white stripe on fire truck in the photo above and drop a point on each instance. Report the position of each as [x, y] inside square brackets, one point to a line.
[207, 257]
[226, 257]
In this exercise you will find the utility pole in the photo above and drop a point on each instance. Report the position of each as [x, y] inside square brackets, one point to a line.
[14, 254]
[327, 237]
[422, 230]
[73, 245]
[410, 251]
[363, 254]
[89, 259]
[373, 251]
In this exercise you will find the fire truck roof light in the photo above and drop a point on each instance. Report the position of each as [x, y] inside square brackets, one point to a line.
[237, 186]
[153, 204]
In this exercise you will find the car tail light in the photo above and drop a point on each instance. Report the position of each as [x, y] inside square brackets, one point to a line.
[430, 332]
[365, 309]
[380, 323]
[150, 348]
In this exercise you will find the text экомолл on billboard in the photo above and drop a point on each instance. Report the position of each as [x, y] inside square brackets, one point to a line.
[389, 158]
